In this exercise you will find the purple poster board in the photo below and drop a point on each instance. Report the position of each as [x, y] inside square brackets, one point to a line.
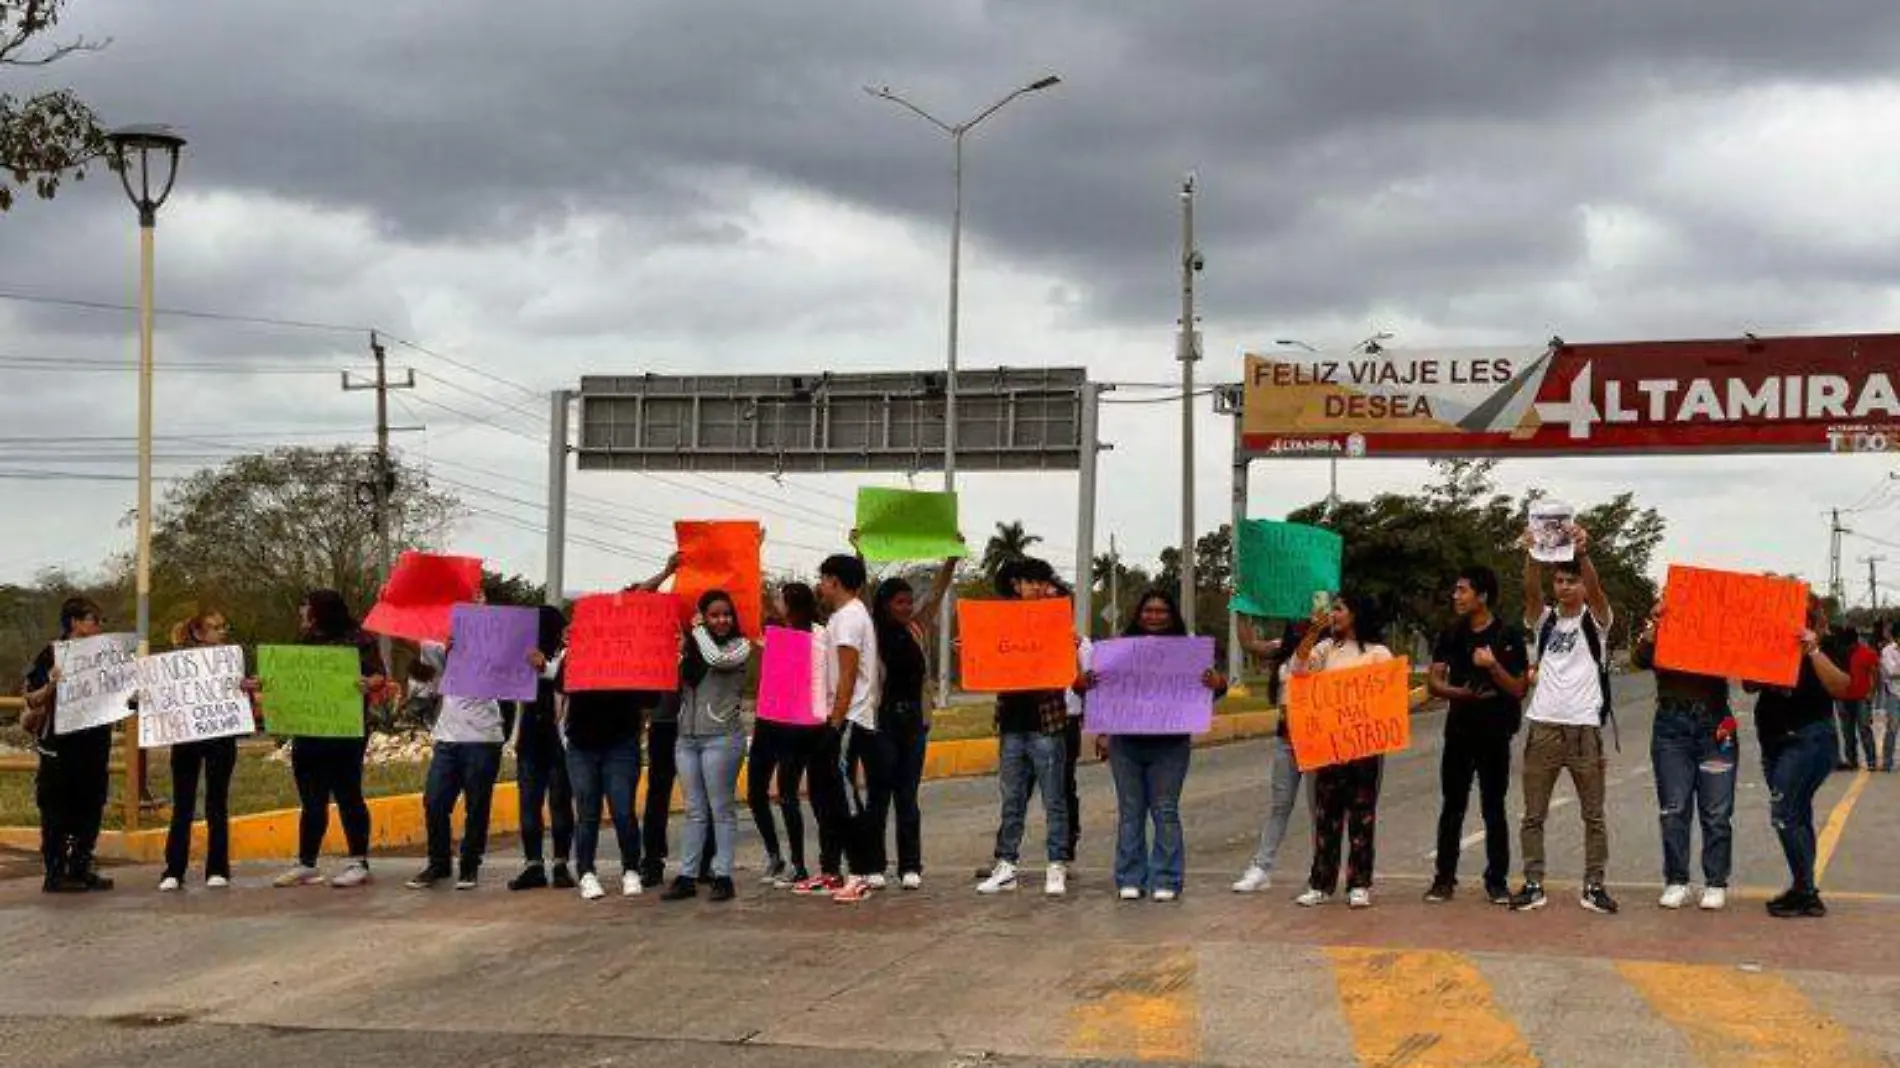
[1151, 686]
[786, 678]
[489, 659]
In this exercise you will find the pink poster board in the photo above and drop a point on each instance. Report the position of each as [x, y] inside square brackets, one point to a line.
[786, 677]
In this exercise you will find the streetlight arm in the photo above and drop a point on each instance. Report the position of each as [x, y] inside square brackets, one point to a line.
[885, 93]
[1039, 84]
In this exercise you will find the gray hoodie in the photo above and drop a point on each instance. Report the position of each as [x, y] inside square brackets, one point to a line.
[711, 707]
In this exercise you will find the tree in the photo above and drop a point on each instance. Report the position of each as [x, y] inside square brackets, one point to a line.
[518, 590]
[52, 135]
[1010, 542]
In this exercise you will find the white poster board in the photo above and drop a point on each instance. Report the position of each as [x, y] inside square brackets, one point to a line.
[191, 695]
[1551, 541]
[97, 678]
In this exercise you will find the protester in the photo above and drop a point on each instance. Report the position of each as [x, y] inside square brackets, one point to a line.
[1889, 691]
[904, 626]
[711, 741]
[1149, 771]
[662, 731]
[780, 752]
[1283, 772]
[212, 759]
[1345, 796]
[1854, 712]
[1692, 749]
[464, 762]
[1031, 725]
[541, 764]
[74, 776]
[1479, 667]
[1797, 740]
[331, 769]
[852, 685]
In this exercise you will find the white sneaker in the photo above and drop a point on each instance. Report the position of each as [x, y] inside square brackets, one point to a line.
[912, 881]
[299, 876]
[168, 884]
[1715, 898]
[355, 875]
[1674, 896]
[876, 881]
[1165, 896]
[591, 889]
[217, 882]
[1056, 882]
[1002, 878]
[1253, 880]
[1129, 893]
[1312, 897]
[629, 884]
[1359, 898]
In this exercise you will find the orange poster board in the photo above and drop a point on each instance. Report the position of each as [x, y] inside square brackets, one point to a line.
[1011, 646]
[1732, 625]
[720, 555]
[1337, 716]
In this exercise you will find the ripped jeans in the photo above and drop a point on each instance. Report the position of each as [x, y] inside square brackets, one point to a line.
[1692, 768]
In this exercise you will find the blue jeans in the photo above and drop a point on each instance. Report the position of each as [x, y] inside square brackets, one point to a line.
[1796, 767]
[1032, 758]
[709, 772]
[1692, 768]
[467, 770]
[611, 774]
[1283, 786]
[1891, 705]
[1149, 773]
[910, 742]
[1856, 720]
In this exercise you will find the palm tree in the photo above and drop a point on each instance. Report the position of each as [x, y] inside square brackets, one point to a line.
[1010, 542]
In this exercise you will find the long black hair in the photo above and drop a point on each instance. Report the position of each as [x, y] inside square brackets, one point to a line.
[801, 605]
[1177, 623]
[1368, 619]
[330, 617]
[553, 627]
[887, 591]
[72, 611]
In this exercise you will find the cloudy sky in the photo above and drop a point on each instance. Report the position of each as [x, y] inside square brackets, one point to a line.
[605, 186]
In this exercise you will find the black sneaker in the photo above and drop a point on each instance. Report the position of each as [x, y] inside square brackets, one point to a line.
[468, 877]
[563, 879]
[1797, 904]
[89, 879]
[1597, 899]
[1442, 890]
[681, 889]
[1497, 893]
[1531, 897]
[61, 883]
[722, 889]
[427, 878]
[532, 877]
[774, 868]
[652, 873]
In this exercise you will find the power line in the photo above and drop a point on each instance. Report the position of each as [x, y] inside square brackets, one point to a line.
[182, 313]
[476, 419]
[453, 362]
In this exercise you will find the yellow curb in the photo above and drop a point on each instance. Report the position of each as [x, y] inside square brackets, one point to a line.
[396, 821]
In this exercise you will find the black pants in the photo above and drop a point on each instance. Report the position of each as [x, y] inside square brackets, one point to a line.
[329, 769]
[215, 759]
[867, 756]
[825, 780]
[71, 790]
[541, 775]
[1345, 813]
[662, 773]
[909, 744]
[779, 754]
[1486, 756]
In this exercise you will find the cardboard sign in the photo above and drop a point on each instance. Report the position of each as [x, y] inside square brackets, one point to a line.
[421, 595]
[1337, 716]
[98, 677]
[1151, 686]
[191, 695]
[1732, 626]
[490, 658]
[1012, 646]
[788, 678]
[896, 524]
[311, 691]
[624, 641]
[720, 555]
[1551, 540]
[1279, 567]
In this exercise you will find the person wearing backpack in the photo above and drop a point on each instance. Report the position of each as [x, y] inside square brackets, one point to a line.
[1570, 701]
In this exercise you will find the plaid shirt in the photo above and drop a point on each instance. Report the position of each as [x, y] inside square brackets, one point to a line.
[1047, 710]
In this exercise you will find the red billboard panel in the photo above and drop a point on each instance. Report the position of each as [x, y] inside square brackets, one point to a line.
[1791, 394]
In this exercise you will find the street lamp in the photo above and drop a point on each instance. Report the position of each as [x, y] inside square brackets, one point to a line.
[146, 158]
[956, 132]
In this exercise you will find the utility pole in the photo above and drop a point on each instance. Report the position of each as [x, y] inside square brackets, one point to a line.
[382, 483]
[1187, 350]
[1114, 584]
[1835, 587]
[1873, 580]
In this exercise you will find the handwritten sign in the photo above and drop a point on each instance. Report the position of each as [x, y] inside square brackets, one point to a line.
[310, 691]
[1551, 539]
[421, 594]
[1337, 716]
[788, 690]
[1732, 626]
[624, 641]
[1012, 646]
[490, 658]
[191, 695]
[721, 555]
[1151, 686]
[1280, 566]
[97, 678]
[896, 524]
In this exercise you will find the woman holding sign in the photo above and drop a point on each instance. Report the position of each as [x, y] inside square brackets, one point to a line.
[780, 752]
[1345, 796]
[212, 758]
[74, 774]
[711, 741]
[904, 625]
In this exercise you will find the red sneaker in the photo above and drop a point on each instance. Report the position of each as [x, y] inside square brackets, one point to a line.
[853, 891]
[818, 884]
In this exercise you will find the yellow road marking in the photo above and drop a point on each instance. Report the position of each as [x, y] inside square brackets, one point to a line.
[1148, 1010]
[1424, 1009]
[1836, 825]
[1731, 1017]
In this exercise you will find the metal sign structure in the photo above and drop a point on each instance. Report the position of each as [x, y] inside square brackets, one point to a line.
[1740, 395]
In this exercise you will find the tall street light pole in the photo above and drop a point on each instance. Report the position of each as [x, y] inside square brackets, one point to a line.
[146, 158]
[1187, 350]
[955, 132]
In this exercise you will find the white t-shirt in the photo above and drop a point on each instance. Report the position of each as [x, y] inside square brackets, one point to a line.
[1331, 656]
[1569, 692]
[1890, 667]
[462, 719]
[850, 627]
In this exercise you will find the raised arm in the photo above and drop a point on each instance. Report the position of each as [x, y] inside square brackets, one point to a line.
[1593, 592]
[925, 614]
[1253, 642]
[667, 572]
[1533, 585]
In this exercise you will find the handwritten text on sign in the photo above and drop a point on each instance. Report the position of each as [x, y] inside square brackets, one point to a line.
[1013, 646]
[1342, 715]
[1151, 686]
[624, 641]
[1732, 626]
[311, 691]
[97, 678]
[191, 695]
[490, 659]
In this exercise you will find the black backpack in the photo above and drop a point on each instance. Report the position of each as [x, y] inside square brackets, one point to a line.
[1593, 637]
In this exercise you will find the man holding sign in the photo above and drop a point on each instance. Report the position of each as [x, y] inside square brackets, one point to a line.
[74, 772]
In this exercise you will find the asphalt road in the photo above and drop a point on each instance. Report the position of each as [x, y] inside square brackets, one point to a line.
[941, 977]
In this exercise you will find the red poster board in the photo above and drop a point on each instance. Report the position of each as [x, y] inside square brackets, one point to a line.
[1012, 646]
[720, 555]
[624, 641]
[421, 596]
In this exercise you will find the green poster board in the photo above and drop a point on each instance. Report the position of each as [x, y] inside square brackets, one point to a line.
[310, 691]
[898, 524]
[1280, 566]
